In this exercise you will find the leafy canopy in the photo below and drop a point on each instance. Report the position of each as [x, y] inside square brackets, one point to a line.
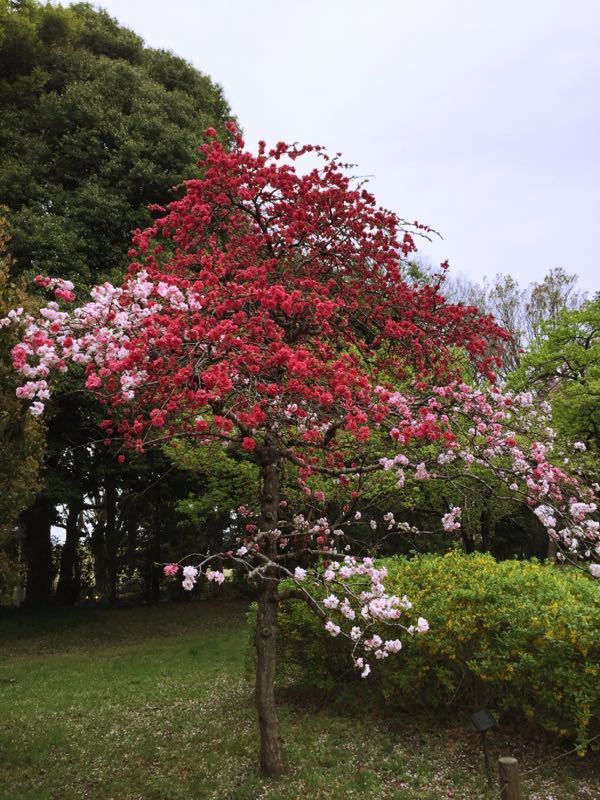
[94, 127]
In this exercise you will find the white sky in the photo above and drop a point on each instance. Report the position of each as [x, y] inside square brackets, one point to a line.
[481, 119]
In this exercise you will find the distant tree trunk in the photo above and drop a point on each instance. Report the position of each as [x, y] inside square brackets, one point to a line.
[154, 569]
[485, 524]
[153, 552]
[69, 579]
[37, 551]
[132, 537]
[552, 551]
[110, 537]
[98, 548]
[468, 541]
[271, 758]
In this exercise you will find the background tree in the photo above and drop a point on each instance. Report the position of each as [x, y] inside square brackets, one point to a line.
[563, 366]
[94, 126]
[523, 311]
[21, 436]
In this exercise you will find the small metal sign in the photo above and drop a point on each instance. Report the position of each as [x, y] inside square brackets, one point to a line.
[482, 721]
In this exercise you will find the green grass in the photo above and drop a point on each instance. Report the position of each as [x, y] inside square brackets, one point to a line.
[154, 704]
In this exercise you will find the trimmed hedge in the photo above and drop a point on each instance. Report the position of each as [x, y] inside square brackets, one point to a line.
[513, 635]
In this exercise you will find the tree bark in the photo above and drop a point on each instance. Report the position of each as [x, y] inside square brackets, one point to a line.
[98, 548]
[486, 526]
[154, 570]
[468, 541]
[271, 757]
[37, 551]
[111, 536]
[132, 539]
[68, 588]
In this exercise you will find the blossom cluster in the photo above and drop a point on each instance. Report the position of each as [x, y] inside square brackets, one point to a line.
[365, 606]
[355, 607]
[191, 574]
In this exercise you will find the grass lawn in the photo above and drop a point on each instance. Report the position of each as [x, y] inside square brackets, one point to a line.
[153, 704]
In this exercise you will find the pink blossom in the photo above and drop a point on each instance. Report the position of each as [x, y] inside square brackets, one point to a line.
[421, 473]
[393, 645]
[450, 521]
[190, 572]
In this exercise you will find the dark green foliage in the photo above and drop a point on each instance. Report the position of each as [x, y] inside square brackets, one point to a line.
[94, 127]
[21, 436]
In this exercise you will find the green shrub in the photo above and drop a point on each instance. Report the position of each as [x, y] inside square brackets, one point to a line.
[512, 635]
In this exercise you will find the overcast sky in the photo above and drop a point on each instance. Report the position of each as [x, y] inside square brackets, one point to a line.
[481, 119]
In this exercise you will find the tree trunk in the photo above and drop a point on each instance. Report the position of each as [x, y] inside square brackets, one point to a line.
[69, 584]
[468, 541]
[111, 536]
[271, 757]
[132, 539]
[485, 524]
[154, 559]
[98, 548]
[37, 551]
[152, 553]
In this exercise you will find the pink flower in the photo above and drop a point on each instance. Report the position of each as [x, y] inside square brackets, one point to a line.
[37, 408]
[421, 473]
[170, 570]
[190, 572]
[393, 645]
[449, 520]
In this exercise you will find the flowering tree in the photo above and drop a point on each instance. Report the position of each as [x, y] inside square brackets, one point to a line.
[268, 310]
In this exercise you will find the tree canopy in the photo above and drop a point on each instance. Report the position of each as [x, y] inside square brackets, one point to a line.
[94, 126]
[563, 364]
